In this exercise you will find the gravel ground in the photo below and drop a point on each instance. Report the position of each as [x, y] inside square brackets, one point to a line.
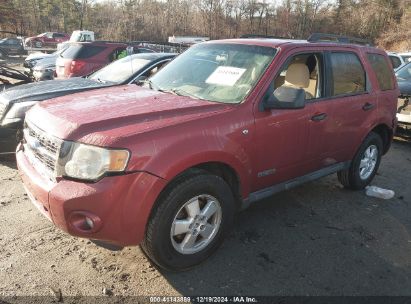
[318, 239]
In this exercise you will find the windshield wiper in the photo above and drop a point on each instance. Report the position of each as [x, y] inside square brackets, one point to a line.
[181, 92]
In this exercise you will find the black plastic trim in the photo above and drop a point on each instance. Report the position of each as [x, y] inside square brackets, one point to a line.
[267, 192]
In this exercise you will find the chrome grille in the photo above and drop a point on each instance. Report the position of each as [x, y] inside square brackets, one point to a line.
[41, 149]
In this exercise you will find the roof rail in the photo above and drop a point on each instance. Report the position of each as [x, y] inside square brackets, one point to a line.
[324, 37]
[261, 36]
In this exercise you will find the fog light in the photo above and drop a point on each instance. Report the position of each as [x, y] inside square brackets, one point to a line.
[85, 222]
[89, 222]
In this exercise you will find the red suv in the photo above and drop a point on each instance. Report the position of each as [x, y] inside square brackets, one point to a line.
[84, 58]
[48, 39]
[224, 125]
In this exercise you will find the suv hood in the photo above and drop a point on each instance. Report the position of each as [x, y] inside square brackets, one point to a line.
[106, 116]
[39, 91]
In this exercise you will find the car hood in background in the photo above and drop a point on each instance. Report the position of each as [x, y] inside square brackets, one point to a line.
[39, 91]
[37, 56]
[45, 63]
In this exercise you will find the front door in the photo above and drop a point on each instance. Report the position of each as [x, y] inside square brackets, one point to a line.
[283, 135]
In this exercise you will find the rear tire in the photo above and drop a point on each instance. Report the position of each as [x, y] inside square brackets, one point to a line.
[365, 164]
[189, 222]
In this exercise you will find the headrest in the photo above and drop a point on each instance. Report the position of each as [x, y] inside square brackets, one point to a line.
[297, 75]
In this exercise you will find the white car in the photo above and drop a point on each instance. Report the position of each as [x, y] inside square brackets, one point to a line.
[404, 105]
[397, 60]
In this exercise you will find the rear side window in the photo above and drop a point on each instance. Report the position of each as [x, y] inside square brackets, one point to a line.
[395, 61]
[382, 70]
[348, 74]
[82, 51]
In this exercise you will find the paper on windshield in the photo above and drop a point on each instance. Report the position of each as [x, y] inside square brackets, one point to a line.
[225, 75]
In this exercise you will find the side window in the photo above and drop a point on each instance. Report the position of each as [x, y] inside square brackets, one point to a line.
[395, 61]
[88, 51]
[49, 35]
[382, 70]
[154, 69]
[348, 74]
[303, 71]
[117, 54]
[143, 50]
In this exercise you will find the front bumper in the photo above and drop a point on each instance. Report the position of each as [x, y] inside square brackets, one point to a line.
[43, 75]
[119, 206]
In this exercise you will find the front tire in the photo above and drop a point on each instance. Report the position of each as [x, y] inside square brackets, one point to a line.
[365, 164]
[189, 222]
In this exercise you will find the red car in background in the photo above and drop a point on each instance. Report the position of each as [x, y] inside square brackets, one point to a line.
[84, 58]
[48, 39]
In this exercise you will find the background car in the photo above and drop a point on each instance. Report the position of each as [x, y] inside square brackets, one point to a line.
[406, 56]
[48, 39]
[34, 58]
[11, 46]
[17, 100]
[396, 60]
[83, 58]
[44, 69]
[404, 107]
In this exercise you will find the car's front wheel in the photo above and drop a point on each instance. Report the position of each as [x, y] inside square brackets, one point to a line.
[189, 222]
[365, 164]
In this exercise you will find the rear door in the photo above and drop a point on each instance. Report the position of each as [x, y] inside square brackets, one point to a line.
[353, 103]
[387, 89]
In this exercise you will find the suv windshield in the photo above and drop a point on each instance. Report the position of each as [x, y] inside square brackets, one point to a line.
[405, 72]
[121, 70]
[216, 72]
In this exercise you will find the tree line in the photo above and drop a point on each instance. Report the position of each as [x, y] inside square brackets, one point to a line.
[385, 22]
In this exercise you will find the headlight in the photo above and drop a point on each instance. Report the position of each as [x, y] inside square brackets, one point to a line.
[17, 112]
[90, 162]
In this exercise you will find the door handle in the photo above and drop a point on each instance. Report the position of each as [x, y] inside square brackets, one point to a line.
[319, 117]
[368, 106]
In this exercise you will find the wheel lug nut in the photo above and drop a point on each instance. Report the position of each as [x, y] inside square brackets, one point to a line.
[202, 227]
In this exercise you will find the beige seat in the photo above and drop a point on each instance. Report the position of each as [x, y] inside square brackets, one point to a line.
[298, 76]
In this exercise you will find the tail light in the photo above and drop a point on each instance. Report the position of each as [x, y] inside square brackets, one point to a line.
[77, 66]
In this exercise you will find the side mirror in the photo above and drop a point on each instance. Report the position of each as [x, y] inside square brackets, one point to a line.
[140, 80]
[284, 98]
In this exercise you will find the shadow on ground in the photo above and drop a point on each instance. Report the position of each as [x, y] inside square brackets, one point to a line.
[8, 160]
[318, 239]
